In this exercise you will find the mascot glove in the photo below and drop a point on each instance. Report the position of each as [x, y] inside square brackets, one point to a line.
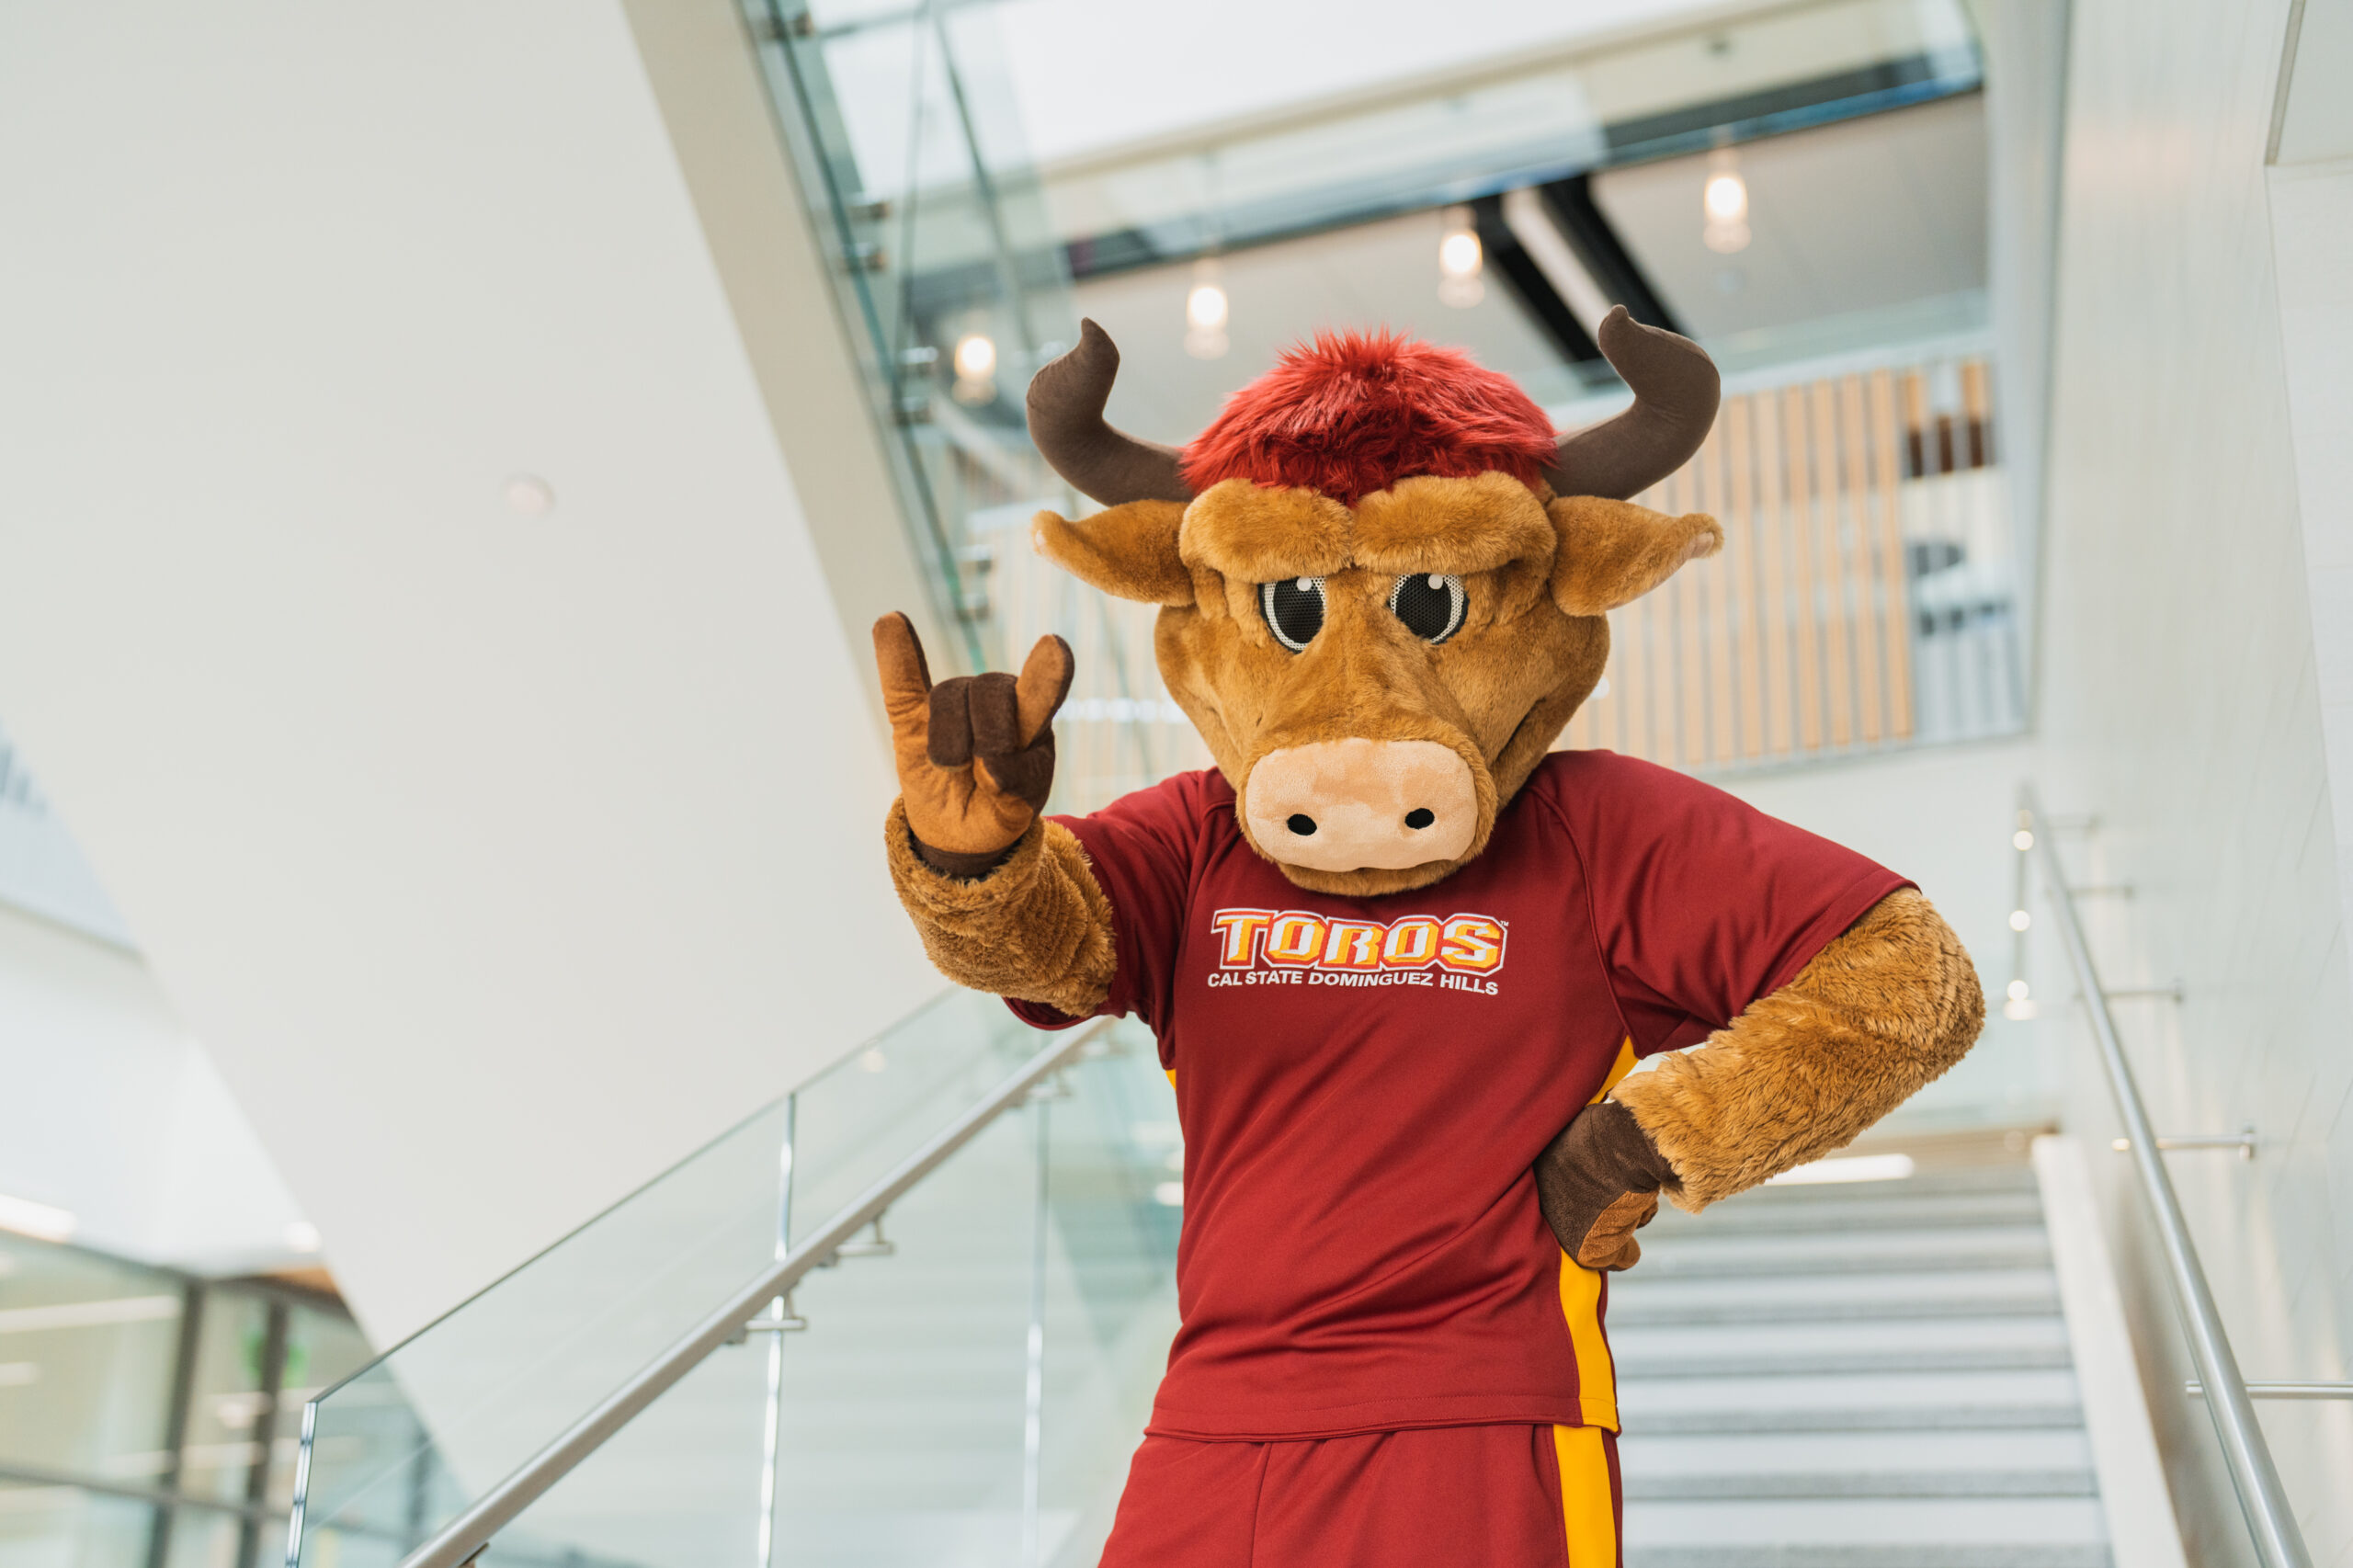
[975, 754]
[1598, 1183]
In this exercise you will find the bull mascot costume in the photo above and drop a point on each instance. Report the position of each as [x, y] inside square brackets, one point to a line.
[1399, 953]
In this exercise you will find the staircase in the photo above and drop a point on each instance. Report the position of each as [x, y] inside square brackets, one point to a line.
[1868, 1375]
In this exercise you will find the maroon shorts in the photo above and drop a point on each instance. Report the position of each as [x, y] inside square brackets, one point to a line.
[1435, 1497]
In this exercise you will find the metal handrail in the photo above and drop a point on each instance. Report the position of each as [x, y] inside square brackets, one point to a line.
[2269, 1518]
[464, 1538]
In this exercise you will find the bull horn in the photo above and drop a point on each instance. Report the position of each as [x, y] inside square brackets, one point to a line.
[1675, 390]
[1066, 402]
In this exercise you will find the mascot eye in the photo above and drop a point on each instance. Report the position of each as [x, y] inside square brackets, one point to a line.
[1431, 606]
[1294, 610]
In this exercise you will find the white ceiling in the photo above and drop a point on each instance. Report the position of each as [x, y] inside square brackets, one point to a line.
[1379, 274]
[1093, 73]
[1847, 220]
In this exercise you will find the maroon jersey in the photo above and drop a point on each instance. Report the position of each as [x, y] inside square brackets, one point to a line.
[1365, 1082]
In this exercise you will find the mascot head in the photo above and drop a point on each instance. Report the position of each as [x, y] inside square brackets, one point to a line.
[1383, 579]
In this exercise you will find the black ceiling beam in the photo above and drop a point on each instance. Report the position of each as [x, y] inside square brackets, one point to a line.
[1607, 260]
[1508, 259]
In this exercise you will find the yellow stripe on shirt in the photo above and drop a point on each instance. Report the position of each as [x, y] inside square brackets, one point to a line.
[1581, 1303]
[1589, 1506]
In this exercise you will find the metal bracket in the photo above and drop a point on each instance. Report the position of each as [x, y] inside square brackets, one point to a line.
[2243, 1142]
[877, 1245]
[784, 1320]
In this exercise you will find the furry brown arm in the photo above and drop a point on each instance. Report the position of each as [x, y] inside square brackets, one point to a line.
[1882, 1010]
[1037, 927]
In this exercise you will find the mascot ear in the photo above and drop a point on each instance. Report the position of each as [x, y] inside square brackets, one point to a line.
[1129, 550]
[1612, 552]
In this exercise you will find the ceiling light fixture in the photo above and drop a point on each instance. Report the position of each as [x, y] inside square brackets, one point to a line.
[530, 495]
[975, 356]
[1725, 202]
[1206, 309]
[1460, 261]
[975, 363]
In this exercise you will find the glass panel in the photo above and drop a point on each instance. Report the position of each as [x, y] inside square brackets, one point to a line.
[399, 1449]
[1115, 1200]
[85, 1361]
[970, 1397]
[858, 1118]
[679, 1487]
[323, 1349]
[444, 1416]
[905, 1403]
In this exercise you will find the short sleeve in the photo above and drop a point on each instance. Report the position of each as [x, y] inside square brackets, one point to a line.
[1140, 849]
[1702, 903]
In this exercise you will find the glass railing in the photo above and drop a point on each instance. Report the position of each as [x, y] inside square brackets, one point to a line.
[903, 128]
[967, 1389]
[902, 123]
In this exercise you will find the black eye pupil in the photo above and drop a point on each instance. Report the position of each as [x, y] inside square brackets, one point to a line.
[1431, 608]
[1294, 608]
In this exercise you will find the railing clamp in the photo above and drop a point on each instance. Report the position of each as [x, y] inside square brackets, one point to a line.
[877, 1245]
[782, 1319]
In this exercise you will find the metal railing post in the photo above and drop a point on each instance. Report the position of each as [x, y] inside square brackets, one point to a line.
[2269, 1518]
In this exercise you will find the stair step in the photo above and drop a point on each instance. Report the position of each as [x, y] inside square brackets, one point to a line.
[1867, 1402]
[1918, 1211]
[1849, 1530]
[1974, 1179]
[1839, 1483]
[1898, 1345]
[1985, 1416]
[1996, 1555]
[1643, 1454]
[1844, 1251]
[1635, 1300]
[1685, 1365]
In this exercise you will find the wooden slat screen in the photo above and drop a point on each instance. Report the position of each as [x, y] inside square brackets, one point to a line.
[1796, 638]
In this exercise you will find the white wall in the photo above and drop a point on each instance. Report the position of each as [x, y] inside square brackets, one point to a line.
[2182, 703]
[498, 859]
[113, 1113]
[1942, 817]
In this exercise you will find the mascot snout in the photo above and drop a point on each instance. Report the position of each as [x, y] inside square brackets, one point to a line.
[1358, 804]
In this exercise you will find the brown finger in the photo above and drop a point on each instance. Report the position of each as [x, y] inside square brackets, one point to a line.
[1610, 1243]
[907, 675]
[996, 728]
[950, 741]
[1045, 681]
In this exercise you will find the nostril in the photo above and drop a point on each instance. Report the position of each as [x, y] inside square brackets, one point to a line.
[1302, 824]
[1420, 817]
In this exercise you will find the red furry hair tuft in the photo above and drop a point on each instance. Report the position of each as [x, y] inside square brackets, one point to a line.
[1355, 411]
